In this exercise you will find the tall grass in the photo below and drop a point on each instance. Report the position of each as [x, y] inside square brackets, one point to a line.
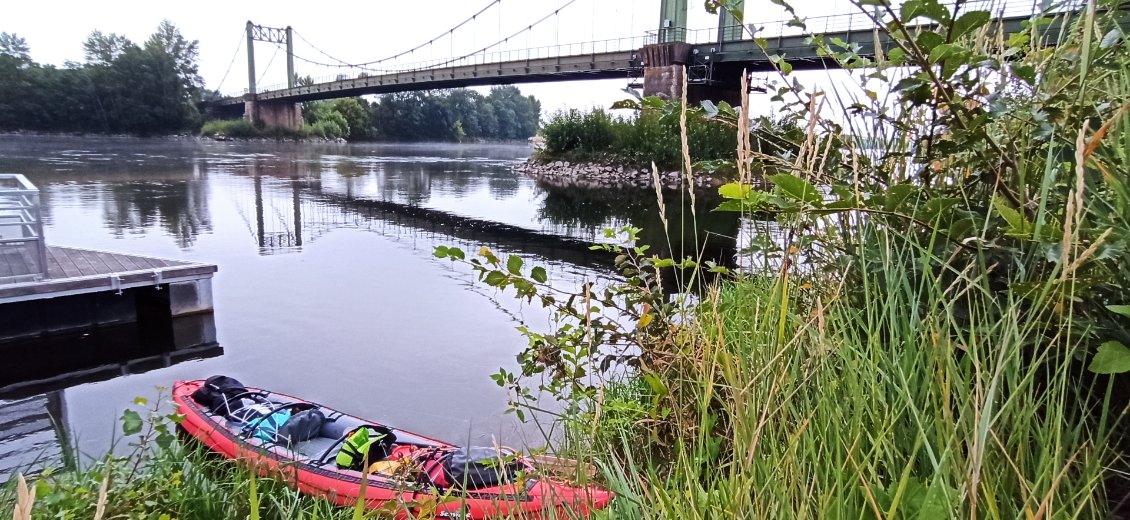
[931, 400]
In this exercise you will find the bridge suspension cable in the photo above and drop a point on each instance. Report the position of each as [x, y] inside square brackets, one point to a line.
[232, 62]
[363, 65]
[506, 39]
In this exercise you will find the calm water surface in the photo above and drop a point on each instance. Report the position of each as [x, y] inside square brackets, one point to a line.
[327, 287]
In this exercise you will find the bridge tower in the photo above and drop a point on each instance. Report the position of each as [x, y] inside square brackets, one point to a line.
[666, 59]
[274, 114]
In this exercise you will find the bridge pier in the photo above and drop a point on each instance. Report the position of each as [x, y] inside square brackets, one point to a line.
[272, 114]
[664, 65]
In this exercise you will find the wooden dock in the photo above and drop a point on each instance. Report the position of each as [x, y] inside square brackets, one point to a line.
[72, 271]
[85, 288]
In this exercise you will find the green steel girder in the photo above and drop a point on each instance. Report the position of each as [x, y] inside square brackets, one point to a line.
[672, 21]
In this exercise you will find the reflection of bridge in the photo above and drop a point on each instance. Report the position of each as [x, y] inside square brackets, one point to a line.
[289, 205]
[713, 58]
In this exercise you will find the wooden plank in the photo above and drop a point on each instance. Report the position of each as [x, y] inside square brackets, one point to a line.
[144, 262]
[67, 266]
[70, 269]
[112, 261]
[97, 261]
[84, 267]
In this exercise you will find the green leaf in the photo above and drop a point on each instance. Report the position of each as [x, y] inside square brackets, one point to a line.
[928, 40]
[1111, 39]
[495, 278]
[538, 274]
[734, 190]
[897, 55]
[797, 188]
[710, 108]
[946, 51]
[440, 252]
[165, 439]
[1112, 358]
[131, 422]
[514, 264]
[455, 253]
[1124, 310]
[931, 9]
[968, 23]
[1024, 71]
[626, 104]
[1018, 225]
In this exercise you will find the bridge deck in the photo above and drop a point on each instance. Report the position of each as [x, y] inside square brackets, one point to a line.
[76, 271]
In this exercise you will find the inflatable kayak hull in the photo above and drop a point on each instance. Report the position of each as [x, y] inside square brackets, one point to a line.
[309, 467]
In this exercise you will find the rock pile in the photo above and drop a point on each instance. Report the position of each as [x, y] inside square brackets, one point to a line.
[605, 176]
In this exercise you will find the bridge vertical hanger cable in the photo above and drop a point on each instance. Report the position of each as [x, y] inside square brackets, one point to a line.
[269, 62]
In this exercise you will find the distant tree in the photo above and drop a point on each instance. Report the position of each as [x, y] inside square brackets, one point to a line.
[457, 131]
[103, 49]
[168, 43]
[14, 46]
[355, 110]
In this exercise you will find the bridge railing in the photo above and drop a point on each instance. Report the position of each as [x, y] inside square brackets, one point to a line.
[861, 21]
[628, 44]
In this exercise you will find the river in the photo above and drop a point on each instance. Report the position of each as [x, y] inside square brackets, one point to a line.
[327, 286]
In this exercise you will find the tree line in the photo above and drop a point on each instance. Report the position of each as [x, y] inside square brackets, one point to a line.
[121, 87]
[155, 88]
[439, 115]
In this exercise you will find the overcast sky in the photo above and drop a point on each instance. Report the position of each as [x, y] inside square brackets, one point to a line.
[356, 32]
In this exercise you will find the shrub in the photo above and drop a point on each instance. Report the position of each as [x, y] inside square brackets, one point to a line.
[229, 128]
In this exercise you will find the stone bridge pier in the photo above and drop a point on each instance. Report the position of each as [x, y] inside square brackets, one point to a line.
[663, 68]
[272, 114]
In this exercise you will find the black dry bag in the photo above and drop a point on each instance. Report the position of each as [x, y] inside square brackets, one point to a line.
[217, 392]
[478, 467]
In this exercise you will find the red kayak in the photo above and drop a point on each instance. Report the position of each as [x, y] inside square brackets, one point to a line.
[329, 454]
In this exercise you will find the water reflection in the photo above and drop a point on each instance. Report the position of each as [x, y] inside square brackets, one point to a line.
[179, 206]
[35, 429]
[289, 203]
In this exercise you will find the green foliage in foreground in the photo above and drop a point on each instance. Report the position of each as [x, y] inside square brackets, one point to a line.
[159, 478]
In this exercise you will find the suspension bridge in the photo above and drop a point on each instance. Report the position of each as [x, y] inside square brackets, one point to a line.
[713, 58]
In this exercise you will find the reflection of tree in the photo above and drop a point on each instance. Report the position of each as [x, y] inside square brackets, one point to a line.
[180, 207]
[503, 186]
[414, 182]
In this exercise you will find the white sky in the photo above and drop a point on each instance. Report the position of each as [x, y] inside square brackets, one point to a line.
[361, 31]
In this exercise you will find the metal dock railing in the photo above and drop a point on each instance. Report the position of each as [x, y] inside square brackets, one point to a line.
[23, 251]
